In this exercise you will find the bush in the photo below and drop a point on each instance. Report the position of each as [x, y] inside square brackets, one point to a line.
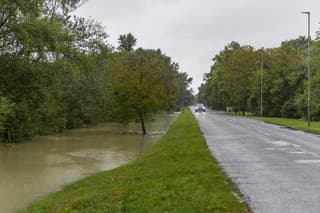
[289, 109]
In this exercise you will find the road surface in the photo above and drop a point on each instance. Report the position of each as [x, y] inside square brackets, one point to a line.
[275, 168]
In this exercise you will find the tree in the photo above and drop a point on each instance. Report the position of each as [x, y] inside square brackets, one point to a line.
[284, 81]
[184, 92]
[53, 68]
[58, 71]
[239, 65]
[137, 86]
[30, 27]
[126, 42]
[235, 76]
[14, 13]
[6, 108]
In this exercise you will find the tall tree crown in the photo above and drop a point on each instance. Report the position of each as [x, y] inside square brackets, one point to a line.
[126, 42]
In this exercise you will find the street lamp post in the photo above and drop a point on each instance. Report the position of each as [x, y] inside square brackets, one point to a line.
[309, 67]
[261, 85]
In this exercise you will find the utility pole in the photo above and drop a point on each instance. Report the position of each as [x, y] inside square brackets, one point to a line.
[261, 84]
[309, 67]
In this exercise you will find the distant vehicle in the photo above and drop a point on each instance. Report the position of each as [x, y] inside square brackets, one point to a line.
[200, 108]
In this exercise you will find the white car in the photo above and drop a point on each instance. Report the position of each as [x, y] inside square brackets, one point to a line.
[200, 108]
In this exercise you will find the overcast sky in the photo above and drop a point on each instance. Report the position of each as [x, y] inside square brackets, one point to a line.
[192, 32]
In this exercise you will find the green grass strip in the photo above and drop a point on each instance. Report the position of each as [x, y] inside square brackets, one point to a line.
[297, 124]
[178, 174]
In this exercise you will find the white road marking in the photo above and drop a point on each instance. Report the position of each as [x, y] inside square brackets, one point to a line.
[313, 154]
[297, 152]
[307, 161]
[299, 149]
[265, 133]
[280, 143]
[296, 146]
[269, 148]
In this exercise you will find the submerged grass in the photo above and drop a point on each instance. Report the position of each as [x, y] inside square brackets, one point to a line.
[178, 174]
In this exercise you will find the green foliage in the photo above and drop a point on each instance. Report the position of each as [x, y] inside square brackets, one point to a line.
[289, 109]
[6, 109]
[239, 66]
[139, 85]
[235, 80]
[52, 67]
[315, 82]
[127, 42]
[58, 69]
[185, 96]
[177, 175]
[286, 78]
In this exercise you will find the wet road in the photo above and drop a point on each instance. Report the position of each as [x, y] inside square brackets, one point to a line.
[276, 169]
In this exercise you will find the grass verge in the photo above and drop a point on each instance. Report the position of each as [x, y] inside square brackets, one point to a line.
[297, 124]
[178, 174]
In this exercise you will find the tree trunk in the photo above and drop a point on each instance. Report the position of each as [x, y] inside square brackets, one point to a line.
[142, 124]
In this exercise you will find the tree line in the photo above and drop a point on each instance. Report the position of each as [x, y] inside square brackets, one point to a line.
[58, 71]
[237, 72]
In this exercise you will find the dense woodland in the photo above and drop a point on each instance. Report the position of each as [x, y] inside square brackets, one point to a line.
[58, 71]
[235, 79]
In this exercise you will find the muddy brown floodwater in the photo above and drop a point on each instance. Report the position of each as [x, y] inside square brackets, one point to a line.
[32, 169]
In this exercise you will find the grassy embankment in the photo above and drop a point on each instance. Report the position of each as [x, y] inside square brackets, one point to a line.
[178, 174]
[298, 124]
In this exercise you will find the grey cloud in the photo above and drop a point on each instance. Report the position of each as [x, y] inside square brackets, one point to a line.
[193, 31]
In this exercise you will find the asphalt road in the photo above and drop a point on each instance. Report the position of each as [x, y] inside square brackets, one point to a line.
[276, 169]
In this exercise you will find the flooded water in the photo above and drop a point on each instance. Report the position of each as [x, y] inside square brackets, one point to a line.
[32, 169]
